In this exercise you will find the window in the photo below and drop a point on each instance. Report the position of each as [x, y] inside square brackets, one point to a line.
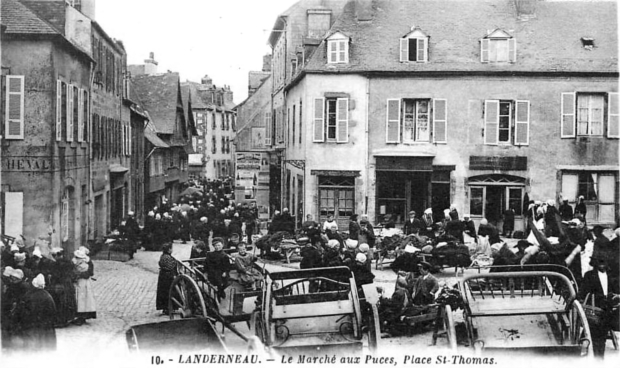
[213, 124]
[300, 115]
[337, 48]
[214, 145]
[598, 190]
[294, 125]
[506, 122]
[14, 114]
[583, 114]
[336, 197]
[414, 47]
[223, 145]
[498, 47]
[491, 201]
[411, 120]
[331, 120]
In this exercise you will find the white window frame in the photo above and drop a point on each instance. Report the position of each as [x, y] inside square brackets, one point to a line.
[589, 122]
[416, 135]
[421, 48]
[490, 43]
[9, 120]
[338, 50]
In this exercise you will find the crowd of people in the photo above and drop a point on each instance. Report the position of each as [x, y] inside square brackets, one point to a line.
[557, 236]
[202, 211]
[42, 293]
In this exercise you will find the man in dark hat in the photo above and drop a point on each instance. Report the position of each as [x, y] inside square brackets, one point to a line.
[599, 286]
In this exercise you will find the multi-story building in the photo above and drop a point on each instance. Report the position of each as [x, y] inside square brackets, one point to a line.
[168, 139]
[45, 145]
[253, 117]
[111, 156]
[514, 100]
[213, 112]
[294, 37]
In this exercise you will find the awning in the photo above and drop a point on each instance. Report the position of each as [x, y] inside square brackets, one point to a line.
[397, 163]
[118, 169]
[154, 139]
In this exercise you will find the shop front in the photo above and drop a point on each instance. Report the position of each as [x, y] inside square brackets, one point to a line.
[405, 184]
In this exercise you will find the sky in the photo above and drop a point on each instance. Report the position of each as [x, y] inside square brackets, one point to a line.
[222, 38]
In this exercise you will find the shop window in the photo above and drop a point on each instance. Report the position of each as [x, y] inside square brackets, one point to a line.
[598, 190]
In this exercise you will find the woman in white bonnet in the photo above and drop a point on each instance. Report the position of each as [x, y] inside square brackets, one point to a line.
[84, 269]
[36, 318]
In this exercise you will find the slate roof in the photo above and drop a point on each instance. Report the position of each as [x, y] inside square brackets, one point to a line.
[159, 94]
[191, 88]
[19, 19]
[549, 42]
[255, 79]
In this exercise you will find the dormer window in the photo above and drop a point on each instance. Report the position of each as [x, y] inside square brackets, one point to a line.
[338, 48]
[498, 47]
[414, 46]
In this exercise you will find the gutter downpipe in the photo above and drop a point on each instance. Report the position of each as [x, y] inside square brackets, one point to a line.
[366, 144]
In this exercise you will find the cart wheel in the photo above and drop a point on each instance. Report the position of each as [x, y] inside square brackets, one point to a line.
[374, 329]
[185, 299]
[581, 327]
[448, 322]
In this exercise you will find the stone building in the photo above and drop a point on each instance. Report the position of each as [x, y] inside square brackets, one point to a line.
[45, 143]
[168, 137]
[295, 35]
[215, 118]
[514, 100]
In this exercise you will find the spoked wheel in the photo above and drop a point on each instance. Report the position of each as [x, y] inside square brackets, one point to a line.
[448, 322]
[374, 329]
[185, 299]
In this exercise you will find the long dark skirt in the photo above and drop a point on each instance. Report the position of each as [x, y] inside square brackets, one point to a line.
[38, 339]
[163, 289]
[66, 305]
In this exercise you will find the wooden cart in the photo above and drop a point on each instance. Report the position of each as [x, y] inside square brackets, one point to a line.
[534, 311]
[316, 310]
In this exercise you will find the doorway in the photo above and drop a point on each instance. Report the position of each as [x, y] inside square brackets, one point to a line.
[495, 203]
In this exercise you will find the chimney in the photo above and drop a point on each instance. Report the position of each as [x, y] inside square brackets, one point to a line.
[206, 81]
[267, 63]
[87, 7]
[150, 65]
[363, 10]
[526, 9]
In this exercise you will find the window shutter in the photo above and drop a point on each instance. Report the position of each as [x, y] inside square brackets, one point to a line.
[58, 110]
[568, 115]
[70, 113]
[333, 52]
[86, 120]
[484, 50]
[392, 126]
[512, 50]
[65, 219]
[422, 49]
[522, 123]
[319, 120]
[404, 49]
[342, 120]
[613, 118]
[440, 120]
[14, 115]
[268, 128]
[80, 128]
[491, 122]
